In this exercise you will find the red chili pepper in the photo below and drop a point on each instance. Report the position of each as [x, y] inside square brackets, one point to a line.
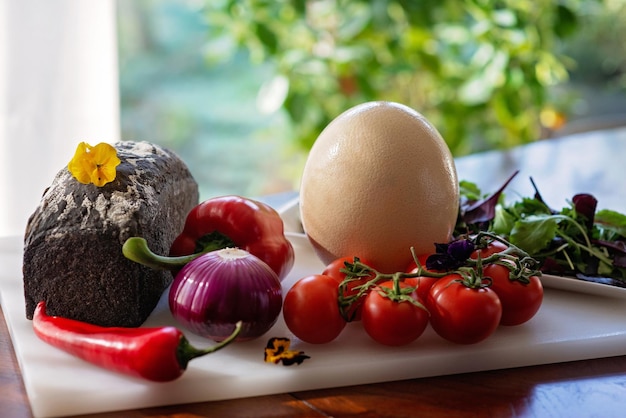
[234, 221]
[159, 354]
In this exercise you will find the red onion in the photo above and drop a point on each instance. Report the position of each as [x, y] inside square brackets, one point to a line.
[218, 289]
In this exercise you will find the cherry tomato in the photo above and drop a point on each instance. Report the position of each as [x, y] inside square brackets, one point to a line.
[392, 323]
[492, 248]
[334, 270]
[311, 310]
[520, 301]
[462, 314]
[422, 283]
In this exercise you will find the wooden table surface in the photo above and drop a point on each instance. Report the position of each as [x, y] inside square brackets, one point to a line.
[591, 162]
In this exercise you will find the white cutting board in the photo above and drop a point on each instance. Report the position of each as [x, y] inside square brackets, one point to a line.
[569, 326]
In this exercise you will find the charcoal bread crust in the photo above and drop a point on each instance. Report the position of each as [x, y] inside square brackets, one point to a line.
[73, 241]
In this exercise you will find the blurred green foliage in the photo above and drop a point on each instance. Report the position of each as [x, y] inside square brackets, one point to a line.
[187, 81]
[479, 70]
[206, 114]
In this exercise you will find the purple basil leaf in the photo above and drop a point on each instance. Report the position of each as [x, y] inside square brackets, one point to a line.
[484, 210]
[585, 204]
[437, 262]
[461, 249]
[441, 248]
[450, 256]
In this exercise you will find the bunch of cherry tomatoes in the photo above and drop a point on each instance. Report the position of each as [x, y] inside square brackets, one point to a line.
[465, 305]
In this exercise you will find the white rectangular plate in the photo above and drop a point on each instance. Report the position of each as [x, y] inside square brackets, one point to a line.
[569, 326]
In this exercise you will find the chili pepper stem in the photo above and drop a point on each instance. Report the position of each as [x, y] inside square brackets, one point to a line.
[136, 249]
[187, 352]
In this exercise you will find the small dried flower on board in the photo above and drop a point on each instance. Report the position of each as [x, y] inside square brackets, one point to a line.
[277, 351]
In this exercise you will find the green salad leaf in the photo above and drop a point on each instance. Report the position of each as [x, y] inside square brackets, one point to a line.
[534, 233]
[610, 224]
[576, 240]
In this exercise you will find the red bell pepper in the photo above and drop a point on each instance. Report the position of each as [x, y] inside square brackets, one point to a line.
[159, 354]
[234, 221]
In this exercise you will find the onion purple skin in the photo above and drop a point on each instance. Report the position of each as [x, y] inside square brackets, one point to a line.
[218, 289]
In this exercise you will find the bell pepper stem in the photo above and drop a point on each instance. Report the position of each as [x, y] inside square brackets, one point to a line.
[186, 352]
[136, 249]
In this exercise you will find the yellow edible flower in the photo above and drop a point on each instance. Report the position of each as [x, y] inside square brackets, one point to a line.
[95, 165]
[277, 351]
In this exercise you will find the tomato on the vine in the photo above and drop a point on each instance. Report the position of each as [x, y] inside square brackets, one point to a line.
[334, 270]
[463, 314]
[421, 283]
[311, 309]
[520, 301]
[391, 322]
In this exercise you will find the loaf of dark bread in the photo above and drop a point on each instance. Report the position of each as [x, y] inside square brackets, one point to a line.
[73, 242]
